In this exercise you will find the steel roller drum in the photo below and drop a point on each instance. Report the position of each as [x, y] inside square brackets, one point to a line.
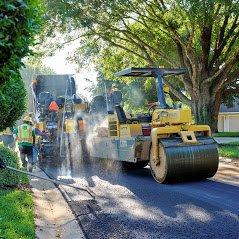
[183, 162]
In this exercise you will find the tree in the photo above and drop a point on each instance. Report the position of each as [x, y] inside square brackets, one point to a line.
[201, 36]
[19, 22]
[136, 93]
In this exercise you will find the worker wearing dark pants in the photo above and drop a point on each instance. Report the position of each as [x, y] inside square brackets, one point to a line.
[26, 152]
[26, 139]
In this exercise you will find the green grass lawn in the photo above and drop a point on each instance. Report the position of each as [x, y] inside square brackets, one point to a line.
[226, 134]
[16, 203]
[230, 151]
[17, 213]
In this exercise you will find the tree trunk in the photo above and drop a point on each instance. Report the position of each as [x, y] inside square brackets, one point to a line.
[205, 108]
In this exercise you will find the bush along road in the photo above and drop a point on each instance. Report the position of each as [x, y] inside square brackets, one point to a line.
[16, 204]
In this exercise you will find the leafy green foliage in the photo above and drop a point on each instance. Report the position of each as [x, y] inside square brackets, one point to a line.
[19, 22]
[16, 214]
[201, 36]
[12, 98]
[231, 94]
[137, 92]
[7, 177]
[229, 151]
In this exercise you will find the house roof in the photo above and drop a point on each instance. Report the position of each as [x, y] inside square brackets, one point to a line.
[225, 109]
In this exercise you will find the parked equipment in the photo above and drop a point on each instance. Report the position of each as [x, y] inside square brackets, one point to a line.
[175, 148]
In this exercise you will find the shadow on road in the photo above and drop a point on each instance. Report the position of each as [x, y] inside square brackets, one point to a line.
[133, 205]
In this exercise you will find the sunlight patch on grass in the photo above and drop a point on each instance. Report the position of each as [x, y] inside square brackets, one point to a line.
[229, 151]
[16, 214]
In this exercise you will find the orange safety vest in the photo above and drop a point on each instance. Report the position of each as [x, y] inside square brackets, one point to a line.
[53, 106]
[25, 134]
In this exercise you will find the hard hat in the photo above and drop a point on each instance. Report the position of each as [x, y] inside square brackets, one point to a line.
[166, 89]
[27, 119]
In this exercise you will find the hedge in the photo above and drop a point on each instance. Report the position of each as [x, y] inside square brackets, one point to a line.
[9, 178]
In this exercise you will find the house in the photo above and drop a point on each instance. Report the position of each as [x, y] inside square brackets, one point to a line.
[228, 118]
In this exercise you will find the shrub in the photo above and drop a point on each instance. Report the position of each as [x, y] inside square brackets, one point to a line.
[12, 98]
[7, 177]
[20, 21]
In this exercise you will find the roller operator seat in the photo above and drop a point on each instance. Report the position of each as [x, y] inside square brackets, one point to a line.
[122, 116]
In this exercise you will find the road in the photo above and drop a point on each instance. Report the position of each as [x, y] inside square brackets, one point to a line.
[133, 205]
[226, 140]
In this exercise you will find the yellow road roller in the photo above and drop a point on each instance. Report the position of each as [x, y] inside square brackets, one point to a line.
[179, 149]
[175, 148]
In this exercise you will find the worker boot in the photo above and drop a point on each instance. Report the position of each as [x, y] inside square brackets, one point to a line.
[24, 166]
[30, 167]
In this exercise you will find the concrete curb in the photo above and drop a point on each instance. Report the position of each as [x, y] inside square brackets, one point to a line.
[53, 216]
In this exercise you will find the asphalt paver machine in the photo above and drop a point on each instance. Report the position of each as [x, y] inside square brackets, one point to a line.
[59, 123]
[167, 140]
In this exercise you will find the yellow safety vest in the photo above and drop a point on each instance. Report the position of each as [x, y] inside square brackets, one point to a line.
[25, 134]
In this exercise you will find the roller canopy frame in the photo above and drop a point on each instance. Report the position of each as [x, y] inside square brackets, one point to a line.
[158, 73]
[151, 72]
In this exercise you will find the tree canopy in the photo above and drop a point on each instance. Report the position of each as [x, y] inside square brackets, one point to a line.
[201, 36]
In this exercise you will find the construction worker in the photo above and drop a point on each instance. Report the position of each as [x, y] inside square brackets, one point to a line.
[80, 127]
[26, 139]
[53, 108]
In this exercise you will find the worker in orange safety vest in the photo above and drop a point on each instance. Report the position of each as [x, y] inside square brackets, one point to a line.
[53, 107]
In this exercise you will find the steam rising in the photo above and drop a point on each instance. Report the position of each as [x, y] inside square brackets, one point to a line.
[77, 149]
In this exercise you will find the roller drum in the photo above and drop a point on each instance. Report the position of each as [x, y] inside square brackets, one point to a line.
[183, 162]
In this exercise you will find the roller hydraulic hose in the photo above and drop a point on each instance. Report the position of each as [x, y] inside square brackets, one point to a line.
[55, 181]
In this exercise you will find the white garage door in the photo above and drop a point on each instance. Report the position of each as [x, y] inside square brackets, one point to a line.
[234, 123]
[220, 125]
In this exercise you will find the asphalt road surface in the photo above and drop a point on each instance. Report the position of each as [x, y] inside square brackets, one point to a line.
[133, 205]
[225, 140]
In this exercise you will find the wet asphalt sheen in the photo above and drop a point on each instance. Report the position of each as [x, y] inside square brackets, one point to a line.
[133, 205]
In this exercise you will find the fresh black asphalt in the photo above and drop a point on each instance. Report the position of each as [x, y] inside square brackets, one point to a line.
[132, 205]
